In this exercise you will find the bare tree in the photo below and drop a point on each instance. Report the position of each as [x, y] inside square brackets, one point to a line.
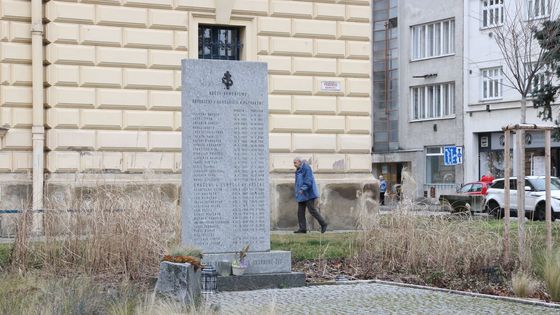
[524, 59]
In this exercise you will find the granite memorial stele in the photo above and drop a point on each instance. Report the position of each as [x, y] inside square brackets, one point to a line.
[225, 182]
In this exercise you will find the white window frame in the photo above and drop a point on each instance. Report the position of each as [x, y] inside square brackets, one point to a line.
[438, 154]
[493, 10]
[425, 45]
[538, 9]
[491, 80]
[540, 78]
[434, 101]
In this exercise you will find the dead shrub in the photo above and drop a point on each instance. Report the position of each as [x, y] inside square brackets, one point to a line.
[523, 285]
[113, 231]
[551, 273]
[401, 242]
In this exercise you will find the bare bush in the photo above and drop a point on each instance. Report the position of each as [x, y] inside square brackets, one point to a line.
[116, 231]
[551, 273]
[523, 285]
[401, 242]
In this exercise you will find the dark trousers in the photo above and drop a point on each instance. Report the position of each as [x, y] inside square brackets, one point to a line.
[310, 205]
[382, 198]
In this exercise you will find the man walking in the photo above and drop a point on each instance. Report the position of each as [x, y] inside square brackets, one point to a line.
[306, 193]
[382, 189]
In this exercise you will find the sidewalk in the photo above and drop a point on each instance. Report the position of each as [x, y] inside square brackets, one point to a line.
[367, 298]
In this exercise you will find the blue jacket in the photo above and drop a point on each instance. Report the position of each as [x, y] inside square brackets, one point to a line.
[383, 186]
[305, 189]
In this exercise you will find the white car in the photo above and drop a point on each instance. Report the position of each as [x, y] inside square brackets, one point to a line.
[534, 197]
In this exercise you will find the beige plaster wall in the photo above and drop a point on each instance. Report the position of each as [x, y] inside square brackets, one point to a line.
[113, 88]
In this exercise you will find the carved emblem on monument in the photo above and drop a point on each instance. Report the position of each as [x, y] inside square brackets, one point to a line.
[226, 80]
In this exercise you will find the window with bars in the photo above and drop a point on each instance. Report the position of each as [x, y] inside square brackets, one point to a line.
[433, 101]
[491, 83]
[492, 13]
[433, 39]
[537, 9]
[219, 42]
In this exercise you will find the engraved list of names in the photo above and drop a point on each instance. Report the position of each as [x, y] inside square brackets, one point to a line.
[225, 189]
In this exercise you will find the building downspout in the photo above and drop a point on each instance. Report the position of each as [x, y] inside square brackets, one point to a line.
[38, 129]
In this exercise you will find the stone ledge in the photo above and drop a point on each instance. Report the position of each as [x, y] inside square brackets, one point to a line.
[275, 261]
[261, 281]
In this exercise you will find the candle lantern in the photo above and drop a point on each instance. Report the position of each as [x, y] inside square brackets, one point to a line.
[209, 278]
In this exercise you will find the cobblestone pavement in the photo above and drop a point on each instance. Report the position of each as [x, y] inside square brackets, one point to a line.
[365, 298]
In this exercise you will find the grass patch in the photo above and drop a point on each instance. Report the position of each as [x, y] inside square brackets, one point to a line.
[5, 250]
[315, 245]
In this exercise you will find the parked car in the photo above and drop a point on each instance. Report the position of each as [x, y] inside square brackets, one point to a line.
[534, 197]
[475, 188]
[469, 197]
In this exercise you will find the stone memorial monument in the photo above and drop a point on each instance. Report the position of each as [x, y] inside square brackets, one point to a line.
[225, 186]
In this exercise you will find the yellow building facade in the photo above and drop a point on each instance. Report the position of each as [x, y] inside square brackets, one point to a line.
[112, 88]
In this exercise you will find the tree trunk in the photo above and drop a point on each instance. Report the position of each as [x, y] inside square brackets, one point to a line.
[521, 197]
[507, 169]
[548, 213]
[523, 109]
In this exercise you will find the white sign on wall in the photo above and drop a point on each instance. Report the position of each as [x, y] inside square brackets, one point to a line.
[330, 86]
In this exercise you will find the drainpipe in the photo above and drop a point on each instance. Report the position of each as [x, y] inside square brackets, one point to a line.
[38, 129]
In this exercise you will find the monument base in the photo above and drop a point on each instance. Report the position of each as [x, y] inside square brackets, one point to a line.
[275, 261]
[261, 281]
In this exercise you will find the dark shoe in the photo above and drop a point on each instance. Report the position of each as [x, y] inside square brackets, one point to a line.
[300, 231]
[323, 228]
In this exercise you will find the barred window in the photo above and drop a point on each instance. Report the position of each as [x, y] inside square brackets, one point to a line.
[219, 42]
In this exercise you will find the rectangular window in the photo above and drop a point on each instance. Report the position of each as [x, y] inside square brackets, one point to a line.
[492, 13]
[433, 39]
[219, 42]
[491, 83]
[436, 171]
[433, 101]
[537, 9]
[542, 77]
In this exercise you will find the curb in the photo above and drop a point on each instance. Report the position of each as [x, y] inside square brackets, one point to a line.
[457, 292]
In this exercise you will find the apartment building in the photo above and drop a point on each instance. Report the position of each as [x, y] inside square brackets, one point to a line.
[491, 102]
[418, 91]
[104, 91]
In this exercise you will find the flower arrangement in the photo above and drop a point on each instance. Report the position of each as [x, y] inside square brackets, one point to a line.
[183, 255]
[240, 262]
[184, 259]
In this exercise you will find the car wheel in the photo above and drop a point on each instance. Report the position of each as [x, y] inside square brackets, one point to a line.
[539, 213]
[493, 209]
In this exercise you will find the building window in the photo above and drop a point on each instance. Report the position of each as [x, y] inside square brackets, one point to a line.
[219, 42]
[433, 40]
[436, 171]
[541, 77]
[537, 9]
[433, 101]
[492, 13]
[491, 83]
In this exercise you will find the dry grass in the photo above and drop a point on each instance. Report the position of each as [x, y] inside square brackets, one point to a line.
[405, 243]
[551, 274]
[33, 294]
[112, 231]
[523, 285]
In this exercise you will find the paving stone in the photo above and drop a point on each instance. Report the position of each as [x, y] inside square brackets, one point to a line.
[365, 298]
